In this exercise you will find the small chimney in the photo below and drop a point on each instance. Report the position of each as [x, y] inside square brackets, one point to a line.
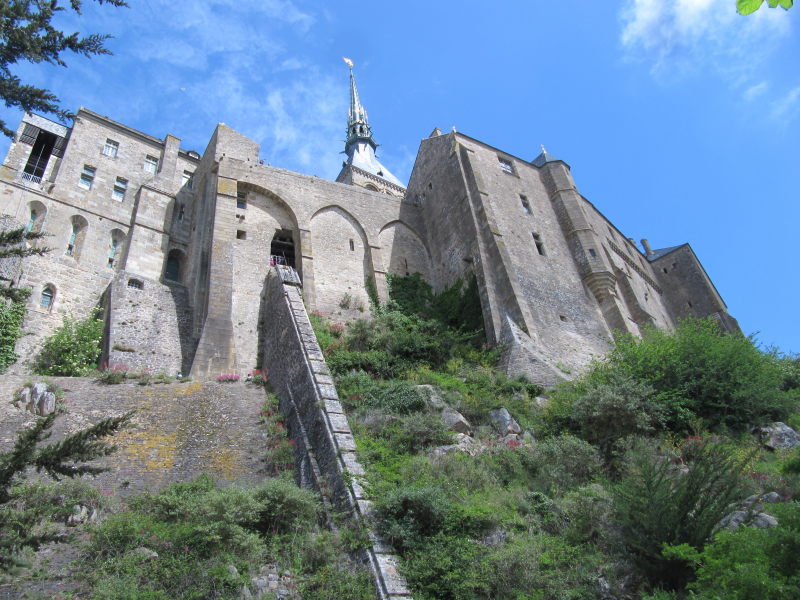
[647, 249]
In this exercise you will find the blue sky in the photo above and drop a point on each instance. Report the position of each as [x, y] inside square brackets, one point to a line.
[680, 119]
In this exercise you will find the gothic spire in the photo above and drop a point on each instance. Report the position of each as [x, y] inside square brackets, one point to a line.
[360, 148]
[357, 124]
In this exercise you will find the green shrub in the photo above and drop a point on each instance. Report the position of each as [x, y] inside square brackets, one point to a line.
[619, 407]
[377, 363]
[657, 504]
[414, 433]
[12, 313]
[284, 507]
[448, 568]
[73, 350]
[587, 511]
[396, 397]
[335, 582]
[698, 371]
[408, 516]
[753, 564]
[563, 462]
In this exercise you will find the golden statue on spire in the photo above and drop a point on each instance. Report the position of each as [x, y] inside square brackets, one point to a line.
[348, 62]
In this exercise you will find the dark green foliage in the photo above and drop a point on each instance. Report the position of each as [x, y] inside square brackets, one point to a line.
[414, 433]
[448, 567]
[198, 529]
[657, 503]
[564, 462]
[454, 307]
[67, 458]
[409, 516]
[333, 582]
[72, 350]
[28, 35]
[397, 397]
[608, 411]
[698, 371]
[12, 313]
[753, 564]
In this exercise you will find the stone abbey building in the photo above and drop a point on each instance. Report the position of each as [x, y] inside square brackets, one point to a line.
[177, 245]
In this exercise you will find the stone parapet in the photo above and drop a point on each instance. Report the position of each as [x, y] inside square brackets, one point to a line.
[318, 425]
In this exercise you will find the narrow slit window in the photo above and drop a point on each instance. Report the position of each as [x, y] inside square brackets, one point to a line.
[537, 239]
[592, 253]
[241, 200]
[181, 212]
[72, 239]
[87, 177]
[31, 221]
[112, 252]
[352, 246]
[526, 206]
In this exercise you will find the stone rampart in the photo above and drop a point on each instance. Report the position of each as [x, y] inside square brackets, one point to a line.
[316, 420]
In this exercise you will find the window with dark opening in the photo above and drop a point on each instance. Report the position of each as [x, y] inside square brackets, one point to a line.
[690, 304]
[281, 249]
[526, 206]
[562, 317]
[241, 200]
[241, 235]
[45, 145]
[174, 267]
[352, 246]
[135, 284]
[592, 253]
[537, 239]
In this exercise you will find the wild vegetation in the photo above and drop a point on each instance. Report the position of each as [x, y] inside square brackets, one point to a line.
[633, 467]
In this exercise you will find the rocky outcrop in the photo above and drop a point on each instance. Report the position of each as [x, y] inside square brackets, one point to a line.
[779, 436]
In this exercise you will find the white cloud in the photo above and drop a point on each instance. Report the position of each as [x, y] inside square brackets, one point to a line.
[786, 108]
[754, 91]
[678, 36]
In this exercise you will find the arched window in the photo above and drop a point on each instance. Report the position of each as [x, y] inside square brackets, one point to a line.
[77, 235]
[135, 284]
[47, 297]
[115, 249]
[173, 271]
[36, 218]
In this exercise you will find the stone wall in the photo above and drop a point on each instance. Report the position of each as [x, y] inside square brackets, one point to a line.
[316, 420]
[148, 325]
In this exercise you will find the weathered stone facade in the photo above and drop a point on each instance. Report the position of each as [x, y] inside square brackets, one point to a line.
[177, 246]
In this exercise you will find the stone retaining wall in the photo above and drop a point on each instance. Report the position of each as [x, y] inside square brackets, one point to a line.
[316, 420]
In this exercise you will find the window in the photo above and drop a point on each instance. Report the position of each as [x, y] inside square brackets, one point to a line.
[135, 284]
[187, 179]
[110, 148]
[45, 145]
[87, 177]
[592, 253]
[150, 164]
[526, 207]
[46, 299]
[241, 200]
[72, 239]
[31, 221]
[120, 186]
[117, 236]
[352, 246]
[77, 235]
[181, 212]
[537, 239]
[506, 165]
[112, 252]
[241, 235]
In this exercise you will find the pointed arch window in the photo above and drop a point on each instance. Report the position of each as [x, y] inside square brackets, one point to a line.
[115, 247]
